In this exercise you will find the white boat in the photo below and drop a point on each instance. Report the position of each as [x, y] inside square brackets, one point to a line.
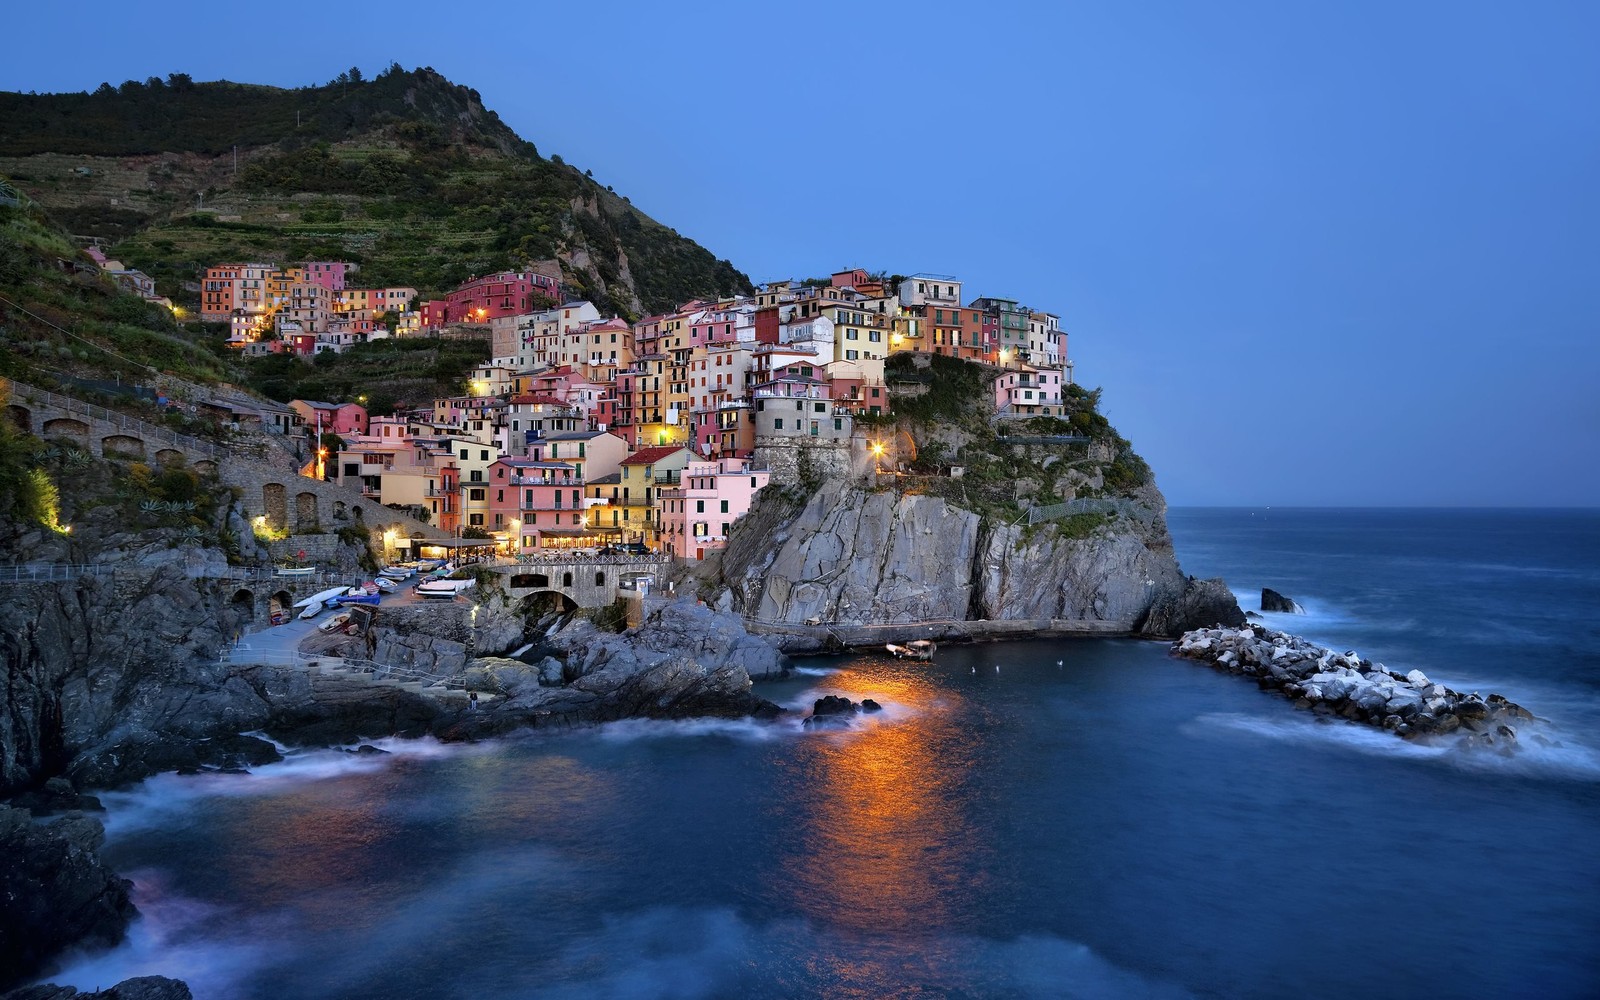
[318, 601]
[337, 621]
[916, 649]
[443, 589]
[311, 612]
[295, 571]
[396, 572]
[386, 585]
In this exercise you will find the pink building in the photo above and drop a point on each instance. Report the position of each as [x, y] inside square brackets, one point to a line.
[1026, 391]
[506, 293]
[329, 274]
[333, 418]
[696, 515]
[536, 503]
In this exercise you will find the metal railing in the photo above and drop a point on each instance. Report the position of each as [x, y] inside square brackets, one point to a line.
[152, 433]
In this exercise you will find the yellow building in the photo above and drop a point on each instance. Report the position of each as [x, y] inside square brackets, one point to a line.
[644, 474]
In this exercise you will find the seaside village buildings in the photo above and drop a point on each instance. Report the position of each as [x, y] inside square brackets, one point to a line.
[585, 430]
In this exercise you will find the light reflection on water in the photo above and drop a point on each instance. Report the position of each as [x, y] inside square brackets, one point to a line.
[884, 835]
[1106, 828]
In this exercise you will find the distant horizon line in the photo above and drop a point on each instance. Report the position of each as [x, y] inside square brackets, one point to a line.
[1595, 508]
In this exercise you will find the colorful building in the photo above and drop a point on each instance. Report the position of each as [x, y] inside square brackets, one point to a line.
[697, 514]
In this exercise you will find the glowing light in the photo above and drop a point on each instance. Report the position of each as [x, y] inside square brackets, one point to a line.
[877, 449]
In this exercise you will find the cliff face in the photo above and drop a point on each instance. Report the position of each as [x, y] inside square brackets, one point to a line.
[854, 555]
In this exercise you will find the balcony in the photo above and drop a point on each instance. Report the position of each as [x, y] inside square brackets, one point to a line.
[544, 481]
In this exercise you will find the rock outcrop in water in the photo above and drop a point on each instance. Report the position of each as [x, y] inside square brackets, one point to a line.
[55, 892]
[1348, 686]
[1271, 600]
[855, 555]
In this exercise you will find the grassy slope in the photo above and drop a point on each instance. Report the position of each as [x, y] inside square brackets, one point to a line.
[407, 175]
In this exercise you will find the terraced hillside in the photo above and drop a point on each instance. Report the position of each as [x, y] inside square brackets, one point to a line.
[407, 174]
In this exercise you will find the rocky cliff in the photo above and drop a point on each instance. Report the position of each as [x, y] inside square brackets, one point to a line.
[859, 555]
[1053, 518]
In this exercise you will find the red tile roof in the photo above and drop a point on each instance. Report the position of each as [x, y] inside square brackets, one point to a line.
[650, 456]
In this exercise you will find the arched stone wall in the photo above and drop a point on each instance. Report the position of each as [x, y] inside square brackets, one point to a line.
[169, 456]
[66, 427]
[305, 511]
[122, 444]
[281, 600]
[206, 467]
[244, 603]
[275, 504]
[21, 417]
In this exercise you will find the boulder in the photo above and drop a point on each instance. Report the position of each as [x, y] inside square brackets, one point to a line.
[1200, 604]
[868, 705]
[832, 710]
[1271, 600]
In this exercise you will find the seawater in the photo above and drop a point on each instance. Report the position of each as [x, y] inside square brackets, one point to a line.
[1091, 819]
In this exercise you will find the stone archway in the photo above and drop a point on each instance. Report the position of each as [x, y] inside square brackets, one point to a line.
[206, 467]
[122, 444]
[305, 511]
[169, 457]
[339, 510]
[21, 417]
[243, 603]
[523, 581]
[275, 504]
[68, 428]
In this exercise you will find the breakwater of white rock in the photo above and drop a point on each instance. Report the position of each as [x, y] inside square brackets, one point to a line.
[1348, 686]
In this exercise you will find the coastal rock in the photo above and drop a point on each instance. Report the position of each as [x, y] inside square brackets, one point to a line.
[1345, 685]
[1271, 600]
[850, 555]
[832, 711]
[139, 988]
[684, 660]
[57, 892]
[1200, 603]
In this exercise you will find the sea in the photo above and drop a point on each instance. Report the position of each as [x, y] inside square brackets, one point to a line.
[1083, 818]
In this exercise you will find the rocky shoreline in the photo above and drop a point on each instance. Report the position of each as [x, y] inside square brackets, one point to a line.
[1348, 686]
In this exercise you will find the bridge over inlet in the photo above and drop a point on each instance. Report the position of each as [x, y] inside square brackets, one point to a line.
[281, 497]
[582, 581]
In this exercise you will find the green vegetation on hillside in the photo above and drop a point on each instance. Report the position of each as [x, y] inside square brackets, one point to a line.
[381, 375]
[58, 313]
[1076, 455]
[407, 175]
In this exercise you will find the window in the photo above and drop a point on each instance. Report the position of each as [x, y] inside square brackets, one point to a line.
[699, 506]
[499, 496]
[777, 424]
[724, 528]
[875, 335]
[850, 335]
[851, 355]
[476, 495]
[724, 509]
[476, 520]
[838, 425]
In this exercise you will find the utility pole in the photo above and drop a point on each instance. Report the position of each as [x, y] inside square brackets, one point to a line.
[236, 162]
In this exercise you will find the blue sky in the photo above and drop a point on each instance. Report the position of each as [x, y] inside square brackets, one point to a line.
[1321, 254]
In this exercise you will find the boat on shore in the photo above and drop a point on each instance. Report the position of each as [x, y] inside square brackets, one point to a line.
[916, 649]
[314, 604]
[295, 571]
[443, 589]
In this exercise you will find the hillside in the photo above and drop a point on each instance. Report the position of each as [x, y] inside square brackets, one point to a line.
[408, 175]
